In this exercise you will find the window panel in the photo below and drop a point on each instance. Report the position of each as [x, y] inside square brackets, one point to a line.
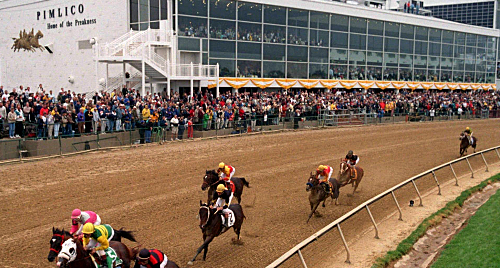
[447, 50]
[320, 20]
[374, 58]
[433, 62]
[297, 36]
[274, 69]
[356, 72]
[248, 69]
[318, 55]
[375, 27]
[357, 58]
[374, 73]
[192, 27]
[248, 50]
[471, 40]
[391, 45]
[406, 46]
[226, 67]
[275, 15]
[405, 74]
[338, 72]
[225, 9]
[298, 17]
[249, 31]
[222, 49]
[390, 59]
[392, 29]
[459, 52]
[420, 61]
[338, 40]
[154, 10]
[405, 60]
[296, 53]
[407, 31]
[274, 34]
[435, 35]
[390, 74]
[421, 47]
[193, 7]
[222, 29]
[144, 11]
[318, 71]
[421, 33]
[420, 75]
[338, 56]
[340, 23]
[164, 11]
[446, 63]
[459, 38]
[274, 52]
[375, 43]
[318, 38]
[189, 44]
[249, 12]
[296, 70]
[134, 11]
[358, 25]
[357, 42]
[434, 49]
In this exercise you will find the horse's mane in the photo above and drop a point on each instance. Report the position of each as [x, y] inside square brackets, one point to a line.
[62, 232]
[212, 172]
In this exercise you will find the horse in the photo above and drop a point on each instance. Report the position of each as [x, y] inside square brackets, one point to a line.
[211, 180]
[73, 254]
[318, 193]
[344, 175]
[465, 143]
[211, 226]
[59, 236]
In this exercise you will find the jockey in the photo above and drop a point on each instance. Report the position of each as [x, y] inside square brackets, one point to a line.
[151, 258]
[323, 174]
[96, 238]
[79, 217]
[352, 160]
[222, 198]
[468, 133]
[226, 172]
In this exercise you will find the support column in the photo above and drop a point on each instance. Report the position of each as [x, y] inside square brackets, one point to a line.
[143, 75]
[107, 75]
[168, 87]
[151, 88]
[191, 86]
[124, 79]
[217, 93]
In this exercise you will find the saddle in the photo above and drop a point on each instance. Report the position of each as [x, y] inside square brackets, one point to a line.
[328, 191]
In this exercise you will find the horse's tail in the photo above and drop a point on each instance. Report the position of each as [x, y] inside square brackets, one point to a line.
[126, 234]
[245, 182]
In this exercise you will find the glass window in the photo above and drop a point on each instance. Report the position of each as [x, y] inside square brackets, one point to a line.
[448, 36]
[298, 17]
[226, 67]
[374, 58]
[164, 11]
[407, 31]
[471, 40]
[318, 71]
[405, 74]
[458, 76]
[296, 70]
[297, 36]
[435, 35]
[275, 15]
[225, 9]
[249, 31]
[274, 52]
[391, 45]
[420, 75]
[274, 34]
[338, 72]
[248, 69]
[144, 11]
[390, 74]
[421, 33]
[390, 60]
[374, 73]
[469, 77]
[222, 29]
[189, 44]
[340, 23]
[357, 42]
[154, 25]
[249, 12]
[433, 62]
[357, 58]
[134, 11]
[318, 38]
[320, 20]
[204, 59]
[143, 26]
[338, 40]
[318, 55]
[421, 47]
[358, 25]
[356, 72]
[392, 29]
[420, 61]
[296, 53]
[433, 75]
[222, 49]
[375, 43]
[406, 46]
[204, 45]
[405, 60]
[192, 27]
[248, 50]
[447, 50]
[470, 53]
[338, 56]
[154, 10]
[434, 49]
[375, 27]
[459, 38]
[481, 41]
[134, 27]
[459, 51]
[192, 7]
[274, 69]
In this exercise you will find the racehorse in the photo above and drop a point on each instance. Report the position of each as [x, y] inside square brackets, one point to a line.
[73, 254]
[211, 226]
[318, 193]
[465, 143]
[345, 175]
[59, 236]
[211, 180]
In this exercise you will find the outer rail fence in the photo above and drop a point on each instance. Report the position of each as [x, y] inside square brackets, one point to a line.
[297, 249]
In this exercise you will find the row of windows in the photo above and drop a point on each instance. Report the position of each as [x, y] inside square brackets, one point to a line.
[148, 10]
[268, 69]
[480, 14]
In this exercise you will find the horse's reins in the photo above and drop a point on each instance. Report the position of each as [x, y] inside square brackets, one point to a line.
[208, 184]
[208, 215]
[62, 241]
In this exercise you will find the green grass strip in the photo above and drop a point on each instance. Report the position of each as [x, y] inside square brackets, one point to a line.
[478, 244]
[406, 245]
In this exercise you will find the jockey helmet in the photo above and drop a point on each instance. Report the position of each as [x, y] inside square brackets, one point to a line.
[221, 188]
[350, 153]
[222, 165]
[144, 254]
[76, 213]
[467, 128]
[88, 228]
[321, 168]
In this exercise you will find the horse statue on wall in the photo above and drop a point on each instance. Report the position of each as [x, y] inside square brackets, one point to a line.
[28, 41]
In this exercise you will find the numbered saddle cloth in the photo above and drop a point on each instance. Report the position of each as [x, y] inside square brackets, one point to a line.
[230, 216]
[111, 253]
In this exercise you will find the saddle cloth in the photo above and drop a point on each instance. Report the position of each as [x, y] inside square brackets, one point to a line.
[231, 217]
[111, 253]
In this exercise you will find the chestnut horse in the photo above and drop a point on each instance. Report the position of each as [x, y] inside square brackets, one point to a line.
[211, 225]
[211, 180]
[318, 193]
[345, 175]
[465, 143]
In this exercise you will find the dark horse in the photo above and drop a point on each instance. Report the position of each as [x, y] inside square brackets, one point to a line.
[59, 236]
[211, 226]
[465, 143]
[318, 193]
[73, 254]
[345, 175]
[211, 180]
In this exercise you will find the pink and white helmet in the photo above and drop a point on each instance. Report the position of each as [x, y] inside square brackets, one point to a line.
[76, 213]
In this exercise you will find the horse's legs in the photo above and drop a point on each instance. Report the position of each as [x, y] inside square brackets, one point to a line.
[203, 246]
[313, 210]
[205, 250]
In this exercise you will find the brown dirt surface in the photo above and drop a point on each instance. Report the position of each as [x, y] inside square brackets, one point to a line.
[155, 190]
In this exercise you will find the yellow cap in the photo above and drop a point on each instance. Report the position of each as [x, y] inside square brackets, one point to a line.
[222, 165]
[467, 128]
[321, 168]
[221, 188]
[88, 228]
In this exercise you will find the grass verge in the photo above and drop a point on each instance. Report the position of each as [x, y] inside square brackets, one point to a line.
[406, 245]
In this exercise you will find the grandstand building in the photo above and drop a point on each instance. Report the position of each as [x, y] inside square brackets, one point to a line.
[186, 45]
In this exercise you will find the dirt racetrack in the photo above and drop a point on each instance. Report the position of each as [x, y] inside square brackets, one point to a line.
[155, 190]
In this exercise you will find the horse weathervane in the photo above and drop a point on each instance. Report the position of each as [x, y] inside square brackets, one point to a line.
[28, 41]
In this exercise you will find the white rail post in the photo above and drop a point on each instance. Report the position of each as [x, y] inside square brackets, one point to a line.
[485, 163]
[302, 258]
[470, 167]
[345, 244]
[496, 150]
[397, 204]
[373, 221]
[454, 174]
[418, 193]
[435, 179]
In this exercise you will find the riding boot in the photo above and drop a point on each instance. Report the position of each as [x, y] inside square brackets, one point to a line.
[108, 260]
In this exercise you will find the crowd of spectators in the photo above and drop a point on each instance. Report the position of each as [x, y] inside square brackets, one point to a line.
[191, 31]
[43, 114]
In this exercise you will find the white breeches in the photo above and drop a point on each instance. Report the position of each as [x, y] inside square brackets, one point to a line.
[220, 202]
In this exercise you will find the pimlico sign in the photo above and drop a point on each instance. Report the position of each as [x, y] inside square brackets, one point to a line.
[64, 12]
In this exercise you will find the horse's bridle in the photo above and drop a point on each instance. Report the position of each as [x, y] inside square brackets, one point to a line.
[62, 241]
[208, 184]
[208, 215]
